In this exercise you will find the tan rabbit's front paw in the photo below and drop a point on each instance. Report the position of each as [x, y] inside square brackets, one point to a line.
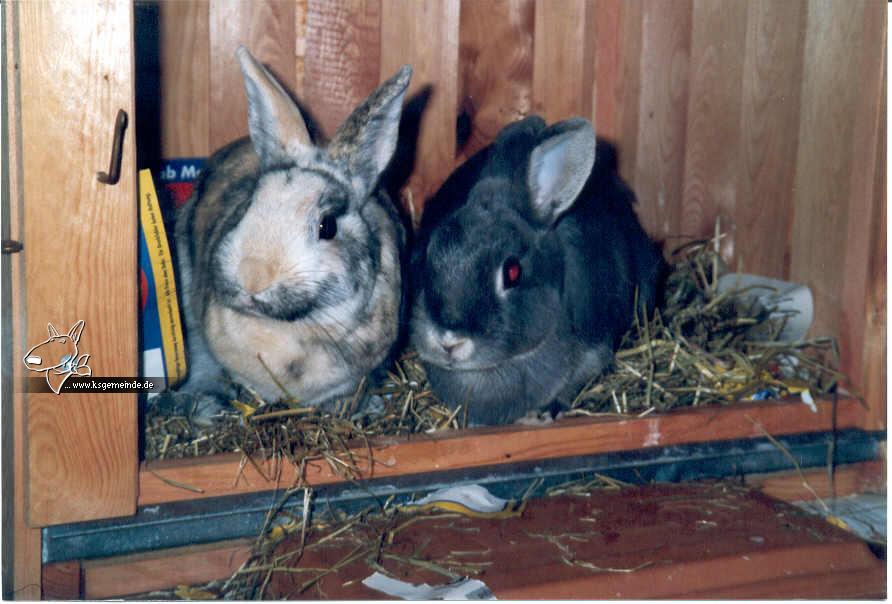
[201, 409]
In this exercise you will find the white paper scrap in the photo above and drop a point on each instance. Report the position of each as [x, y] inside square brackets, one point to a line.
[782, 298]
[808, 400]
[471, 496]
[463, 589]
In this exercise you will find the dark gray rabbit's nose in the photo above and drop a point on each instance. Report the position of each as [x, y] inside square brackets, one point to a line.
[449, 347]
[456, 347]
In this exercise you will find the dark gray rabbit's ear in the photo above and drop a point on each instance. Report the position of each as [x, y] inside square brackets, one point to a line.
[367, 139]
[275, 124]
[560, 166]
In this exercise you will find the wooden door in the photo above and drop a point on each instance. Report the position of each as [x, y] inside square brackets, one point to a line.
[73, 72]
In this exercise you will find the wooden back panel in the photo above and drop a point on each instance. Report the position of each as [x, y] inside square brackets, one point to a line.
[765, 113]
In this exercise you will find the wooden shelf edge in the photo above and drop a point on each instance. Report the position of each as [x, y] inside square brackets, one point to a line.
[221, 475]
[163, 569]
[121, 576]
[862, 477]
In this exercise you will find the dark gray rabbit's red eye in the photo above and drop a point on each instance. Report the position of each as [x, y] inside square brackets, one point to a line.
[328, 227]
[511, 273]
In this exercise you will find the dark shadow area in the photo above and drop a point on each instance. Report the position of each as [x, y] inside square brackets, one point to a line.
[402, 165]
[464, 124]
[147, 125]
[394, 178]
[313, 128]
[7, 469]
[147, 59]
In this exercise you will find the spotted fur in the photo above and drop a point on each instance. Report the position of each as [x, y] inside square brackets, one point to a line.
[266, 298]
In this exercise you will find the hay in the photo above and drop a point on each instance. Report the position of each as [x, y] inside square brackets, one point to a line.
[370, 538]
[293, 539]
[701, 347]
[400, 403]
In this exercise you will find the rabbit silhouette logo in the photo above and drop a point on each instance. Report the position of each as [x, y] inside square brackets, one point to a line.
[58, 358]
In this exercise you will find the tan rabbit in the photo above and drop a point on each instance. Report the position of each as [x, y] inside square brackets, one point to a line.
[289, 253]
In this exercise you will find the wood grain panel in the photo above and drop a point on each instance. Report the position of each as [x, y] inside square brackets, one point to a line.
[815, 570]
[343, 58]
[563, 59]
[184, 53]
[300, 45]
[76, 72]
[222, 475]
[874, 382]
[62, 581]
[867, 477]
[21, 543]
[853, 583]
[663, 102]
[425, 35]
[858, 314]
[627, 91]
[141, 573]
[267, 29]
[873, 377]
[712, 159]
[830, 88]
[769, 131]
[608, 20]
[495, 68]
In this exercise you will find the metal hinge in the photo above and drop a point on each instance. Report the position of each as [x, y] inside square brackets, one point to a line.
[11, 246]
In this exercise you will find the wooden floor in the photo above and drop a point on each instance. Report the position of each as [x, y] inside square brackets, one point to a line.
[657, 541]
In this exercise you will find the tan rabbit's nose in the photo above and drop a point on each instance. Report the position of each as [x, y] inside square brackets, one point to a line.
[257, 274]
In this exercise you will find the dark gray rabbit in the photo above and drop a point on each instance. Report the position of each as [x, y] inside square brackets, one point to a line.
[526, 270]
[289, 253]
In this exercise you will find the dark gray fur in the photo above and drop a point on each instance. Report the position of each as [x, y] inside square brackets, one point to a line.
[581, 269]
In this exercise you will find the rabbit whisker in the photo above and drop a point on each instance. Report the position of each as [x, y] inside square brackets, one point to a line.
[342, 347]
[360, 348]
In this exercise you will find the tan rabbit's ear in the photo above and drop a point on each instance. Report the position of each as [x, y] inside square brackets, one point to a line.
[367, 139]
[276, 126]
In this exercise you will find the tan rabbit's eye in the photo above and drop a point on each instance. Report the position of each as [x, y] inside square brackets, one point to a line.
[328, 227]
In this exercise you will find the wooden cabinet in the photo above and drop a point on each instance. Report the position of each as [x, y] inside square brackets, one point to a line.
[70, 70]
[75, 71]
